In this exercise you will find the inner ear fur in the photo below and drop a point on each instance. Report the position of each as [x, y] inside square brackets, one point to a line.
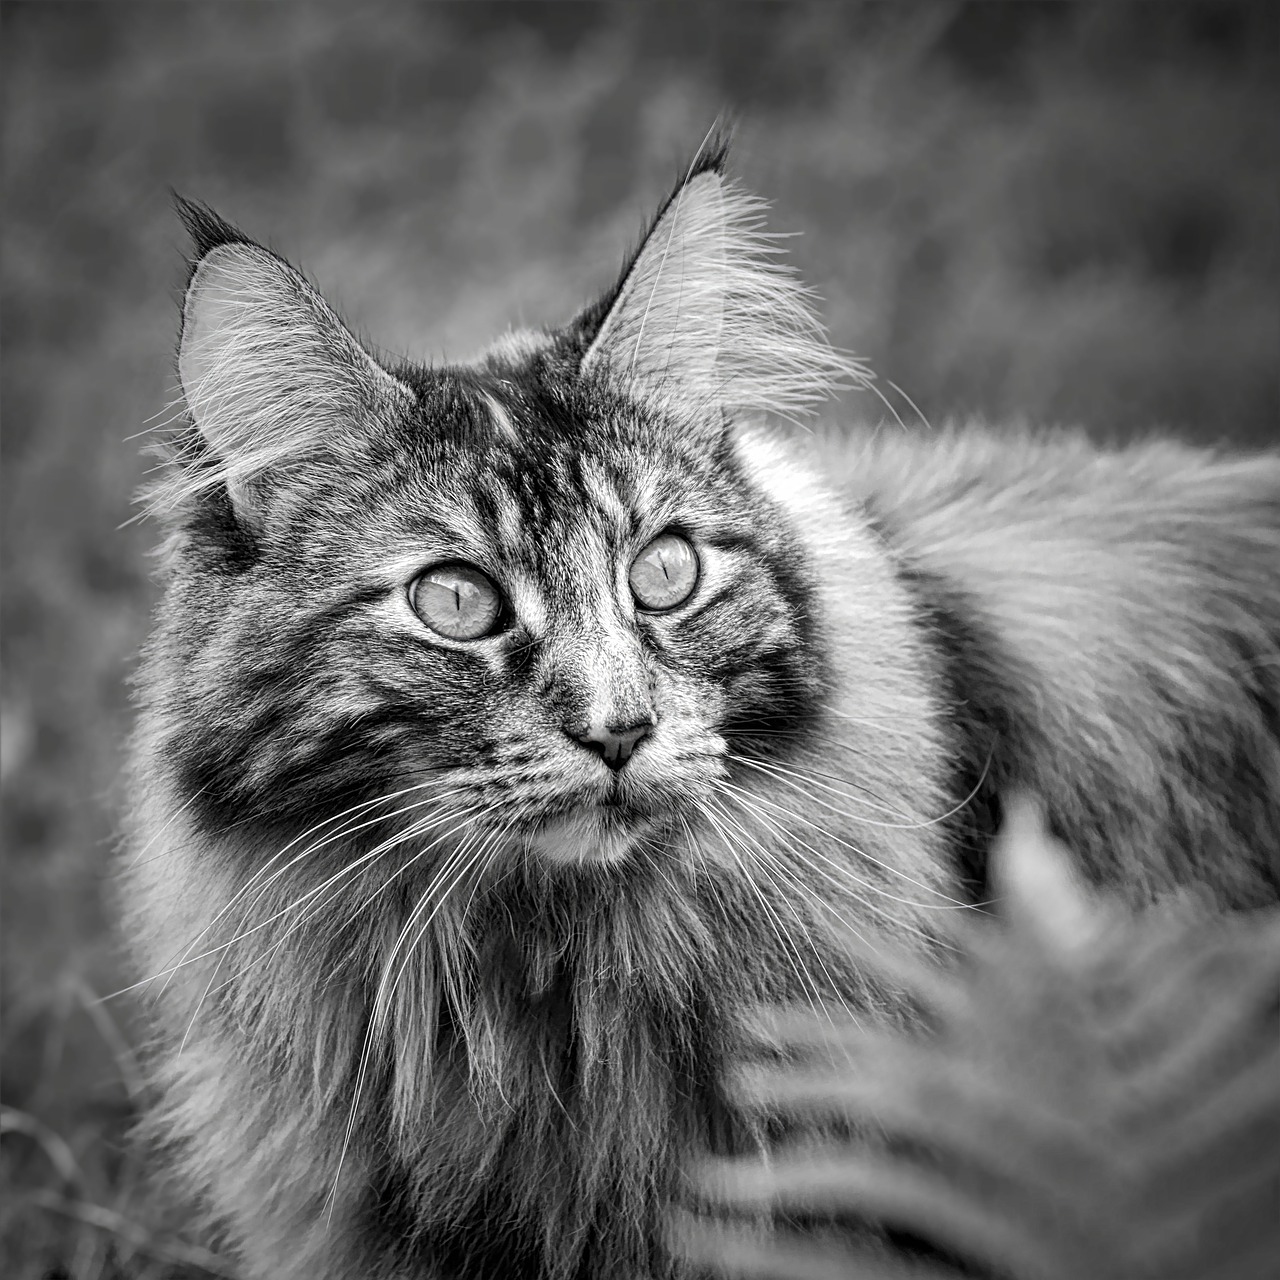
[269, 373]
[705, 318]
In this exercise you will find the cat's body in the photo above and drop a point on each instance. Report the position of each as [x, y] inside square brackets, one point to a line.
[459, 889]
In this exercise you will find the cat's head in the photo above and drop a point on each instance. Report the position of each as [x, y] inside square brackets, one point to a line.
[538, 599]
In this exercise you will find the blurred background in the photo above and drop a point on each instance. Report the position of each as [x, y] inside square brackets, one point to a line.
[1058, 212]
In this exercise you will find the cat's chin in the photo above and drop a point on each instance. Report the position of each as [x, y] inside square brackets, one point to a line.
[590, 837]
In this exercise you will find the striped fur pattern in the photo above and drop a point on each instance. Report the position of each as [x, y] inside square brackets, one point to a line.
[436, 991]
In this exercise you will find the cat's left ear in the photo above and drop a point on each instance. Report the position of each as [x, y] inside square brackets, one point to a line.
[705, 319]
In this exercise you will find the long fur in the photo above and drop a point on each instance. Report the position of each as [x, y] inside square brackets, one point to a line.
[1119, 616]
[706, 318]
[420, 1010]
[269, 374]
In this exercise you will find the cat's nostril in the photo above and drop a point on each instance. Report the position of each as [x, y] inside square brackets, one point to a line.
[613, 744]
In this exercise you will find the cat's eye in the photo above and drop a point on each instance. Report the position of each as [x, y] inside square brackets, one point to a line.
[665, 573]
[456, 600]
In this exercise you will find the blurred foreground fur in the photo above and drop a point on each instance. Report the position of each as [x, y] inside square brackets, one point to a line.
[1097, 1098]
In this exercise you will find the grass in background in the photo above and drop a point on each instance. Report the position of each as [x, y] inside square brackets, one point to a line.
[1057, 212]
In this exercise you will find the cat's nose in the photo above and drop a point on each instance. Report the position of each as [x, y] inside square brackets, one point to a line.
[612, 743]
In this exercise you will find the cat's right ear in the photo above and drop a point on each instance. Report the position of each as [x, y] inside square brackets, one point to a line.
[270, 375]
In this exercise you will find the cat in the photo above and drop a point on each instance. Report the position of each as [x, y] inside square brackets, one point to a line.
[508, 728]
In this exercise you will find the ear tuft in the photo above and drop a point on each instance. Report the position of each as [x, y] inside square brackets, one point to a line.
[208, 231]
[707, 318]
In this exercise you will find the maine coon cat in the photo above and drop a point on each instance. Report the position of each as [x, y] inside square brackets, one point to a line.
[509, 728]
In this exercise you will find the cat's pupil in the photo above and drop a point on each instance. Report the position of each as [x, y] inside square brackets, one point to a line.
[457, 601]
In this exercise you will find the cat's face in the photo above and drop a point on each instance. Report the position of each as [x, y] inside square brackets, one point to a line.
[537, 599]
[563, 612]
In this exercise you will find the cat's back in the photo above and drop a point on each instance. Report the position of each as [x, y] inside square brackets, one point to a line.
[1112, 617]
[1156, 534]
[1061, 488]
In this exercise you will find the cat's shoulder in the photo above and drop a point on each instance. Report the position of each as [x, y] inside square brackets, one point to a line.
[1056, 504]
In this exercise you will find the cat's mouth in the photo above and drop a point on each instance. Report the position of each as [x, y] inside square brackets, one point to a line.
[613, 804]
[598, 832]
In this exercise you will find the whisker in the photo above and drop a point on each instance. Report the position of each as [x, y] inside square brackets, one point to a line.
[259, 813]
[915, 408]
[169, 970]
[348, 869]
[489, 842]
[454, 859]
[875, 806]
[763, 864]
[709, 811]
[868, 799]
[137, 859]
[812, 776]
[747, 802]
[868, 384]
[344, 872]
[955, 903]
[490, 856]
[374, 855]
[790, 840]
[462, 858]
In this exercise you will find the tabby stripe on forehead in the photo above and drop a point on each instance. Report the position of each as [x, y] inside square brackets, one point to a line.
[508, 515]
[501, 418]
[602, 492]
[468, 515]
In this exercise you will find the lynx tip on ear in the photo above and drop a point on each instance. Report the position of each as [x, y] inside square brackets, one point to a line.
[208, 229]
